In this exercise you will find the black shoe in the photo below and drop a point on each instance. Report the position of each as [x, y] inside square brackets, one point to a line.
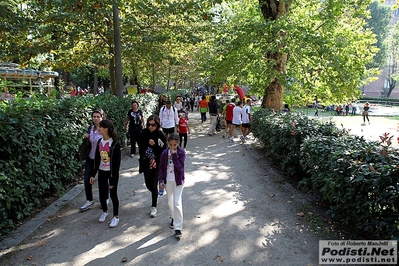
[171, 224]
[178, 233]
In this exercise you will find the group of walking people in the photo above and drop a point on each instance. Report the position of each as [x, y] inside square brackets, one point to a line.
[161, 160]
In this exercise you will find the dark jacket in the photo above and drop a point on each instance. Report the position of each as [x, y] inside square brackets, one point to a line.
[213, 107]
[178, 159]
[115, 161]
[144, 139]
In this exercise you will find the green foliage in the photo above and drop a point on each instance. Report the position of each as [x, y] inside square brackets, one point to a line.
[282, 135]
[39, 138]
[357, 179]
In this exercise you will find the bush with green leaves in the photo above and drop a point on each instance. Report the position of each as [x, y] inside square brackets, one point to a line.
[357, 179]
[282, 135]
[39, 137]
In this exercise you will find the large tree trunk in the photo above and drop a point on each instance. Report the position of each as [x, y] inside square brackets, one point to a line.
[118, 54]
[274, 92]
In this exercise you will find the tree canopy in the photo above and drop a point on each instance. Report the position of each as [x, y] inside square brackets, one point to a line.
[288, 51]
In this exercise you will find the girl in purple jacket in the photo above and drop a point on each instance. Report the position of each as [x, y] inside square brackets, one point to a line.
[171, 178]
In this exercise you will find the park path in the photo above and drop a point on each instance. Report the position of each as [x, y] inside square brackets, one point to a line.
[237, 211]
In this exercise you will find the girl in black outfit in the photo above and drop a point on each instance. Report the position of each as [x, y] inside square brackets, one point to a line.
[365, 113]
[152, 143]
[107, 162]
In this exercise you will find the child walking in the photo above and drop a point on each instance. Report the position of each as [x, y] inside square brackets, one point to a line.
[107, 162]
[171, 178]
[183, 129]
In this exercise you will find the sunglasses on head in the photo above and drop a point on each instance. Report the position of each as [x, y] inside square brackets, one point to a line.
[152, 125]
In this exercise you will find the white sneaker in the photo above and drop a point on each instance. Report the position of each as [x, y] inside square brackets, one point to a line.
[103, 216]
[231, 139]
[132, 155]
[108, 201]
[153, 212]
[114, 222]
[86, 206]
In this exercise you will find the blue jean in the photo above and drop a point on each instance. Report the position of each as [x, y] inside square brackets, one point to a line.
[88, 173]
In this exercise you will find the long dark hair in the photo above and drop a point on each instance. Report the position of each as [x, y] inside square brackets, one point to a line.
[156, 120]
[111, 129]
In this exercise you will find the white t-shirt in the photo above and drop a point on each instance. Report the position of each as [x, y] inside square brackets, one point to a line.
[105, 154]
[168, 117]
[178, 106]
[237, 115]
[170, 169]
[246, 110]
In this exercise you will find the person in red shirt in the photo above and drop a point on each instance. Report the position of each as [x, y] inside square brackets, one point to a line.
[183, 129]
[228, 116]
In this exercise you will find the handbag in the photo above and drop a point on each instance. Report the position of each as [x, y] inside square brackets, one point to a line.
[84, 150]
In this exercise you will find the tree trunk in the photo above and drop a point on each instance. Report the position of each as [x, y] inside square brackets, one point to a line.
[111, 67]
[274, 92]
[118, 54]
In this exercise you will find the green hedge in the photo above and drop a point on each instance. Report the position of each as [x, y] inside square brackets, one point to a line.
[357, 179]
[39, 138]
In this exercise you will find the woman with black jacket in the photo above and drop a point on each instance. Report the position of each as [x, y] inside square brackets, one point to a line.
[152, 143]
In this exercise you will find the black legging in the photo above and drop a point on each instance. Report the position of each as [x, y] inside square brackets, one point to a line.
[103, 177]
[151, 182]
[183, 136]
[134, 138]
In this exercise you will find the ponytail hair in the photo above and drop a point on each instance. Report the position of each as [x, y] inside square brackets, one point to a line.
[110, 127]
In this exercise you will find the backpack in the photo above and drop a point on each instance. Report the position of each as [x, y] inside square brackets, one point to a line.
[163, 109]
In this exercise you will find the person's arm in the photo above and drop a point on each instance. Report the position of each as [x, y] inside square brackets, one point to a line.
[162, 168]
[126, 123]
[116, 164]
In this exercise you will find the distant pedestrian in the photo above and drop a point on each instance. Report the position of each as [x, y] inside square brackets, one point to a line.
[178, 105]
[169, 118]
[365, 113]
[316, 107]
[171, 177]
[183, 129]
[151, 144]
[347, 109]
[228, 116]
[203, 108]
[286, 108]
[236, 122]
[354, 108]
[107, 162]
[213, 114]
[135, 120]
[246, 119]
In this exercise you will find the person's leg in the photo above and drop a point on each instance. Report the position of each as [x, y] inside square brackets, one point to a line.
[103, 188]
[212, 125]
[114, 197]
[170, 188]
[185, 137]
[181, 137]
[151, 181]
[88, 174]
[132, 142]
[178, 207]
[232, 128]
